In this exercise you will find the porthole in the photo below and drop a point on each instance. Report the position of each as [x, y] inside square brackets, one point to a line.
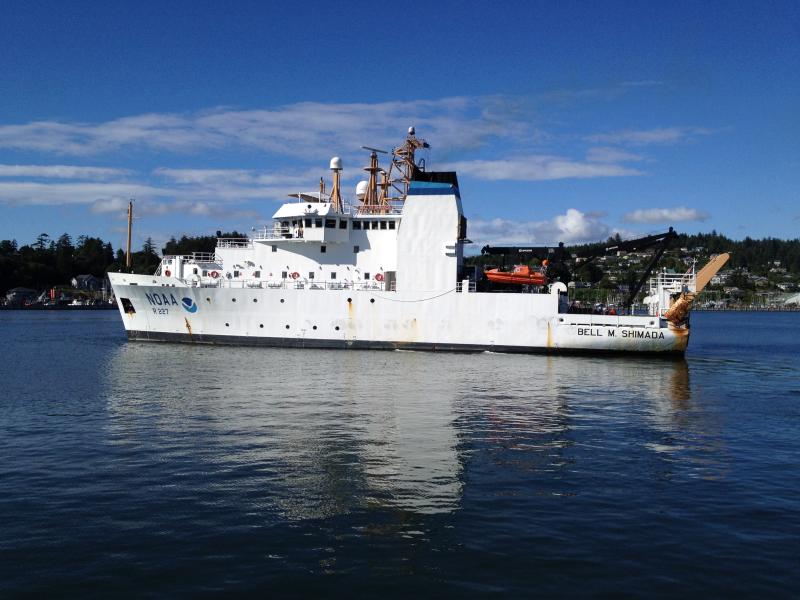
[281, 300]
[372, 300]
[261, 326]
[227, 324]
[314, 328]
[336, 328]
[255, 299]
[287, 327]
[233, 299]
[208, 299]
[349, 300]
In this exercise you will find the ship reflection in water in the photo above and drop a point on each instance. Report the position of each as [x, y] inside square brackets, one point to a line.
[307, 434]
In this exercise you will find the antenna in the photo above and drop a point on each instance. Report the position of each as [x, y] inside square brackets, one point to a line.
[374, 150]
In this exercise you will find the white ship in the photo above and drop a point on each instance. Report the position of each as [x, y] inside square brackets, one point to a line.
[385, 271]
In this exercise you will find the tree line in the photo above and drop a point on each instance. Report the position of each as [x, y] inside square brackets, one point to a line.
[49, 262]
[54, 262]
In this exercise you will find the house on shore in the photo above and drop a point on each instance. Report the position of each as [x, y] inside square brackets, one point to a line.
[20, 296]
[87, 283]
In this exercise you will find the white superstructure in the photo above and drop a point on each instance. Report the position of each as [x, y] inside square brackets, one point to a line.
[386, 271]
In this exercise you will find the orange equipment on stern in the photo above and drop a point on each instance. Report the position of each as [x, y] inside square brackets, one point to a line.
[521, 275]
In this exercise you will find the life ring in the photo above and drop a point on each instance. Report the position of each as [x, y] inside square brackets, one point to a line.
[214, 274]
[167, 273]
[295, 275]
[379, 277]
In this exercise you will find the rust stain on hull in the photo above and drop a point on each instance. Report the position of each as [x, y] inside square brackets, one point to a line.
[681, 337]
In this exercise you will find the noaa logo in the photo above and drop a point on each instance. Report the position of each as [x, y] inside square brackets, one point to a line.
[189, 305]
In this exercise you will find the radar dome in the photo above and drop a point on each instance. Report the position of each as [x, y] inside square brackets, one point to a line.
[411, 131]
[361, 189]
[336, 164]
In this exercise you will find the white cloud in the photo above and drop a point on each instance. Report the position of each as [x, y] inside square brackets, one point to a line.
[29, 192]
[572, 227]
[225, 177]
[661, 135]
[606, 154]
[665, 215]
[217, 210]
[62, 172]
[215, 186]
[303, 129]
[114, 204]
[539, 168]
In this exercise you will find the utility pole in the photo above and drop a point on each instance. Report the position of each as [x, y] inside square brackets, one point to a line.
[130, 227]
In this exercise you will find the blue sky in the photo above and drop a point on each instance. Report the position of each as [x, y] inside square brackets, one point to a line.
[566, 121]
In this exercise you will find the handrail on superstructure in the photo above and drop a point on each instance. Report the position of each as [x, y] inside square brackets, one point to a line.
[287, 284]
[234, 242]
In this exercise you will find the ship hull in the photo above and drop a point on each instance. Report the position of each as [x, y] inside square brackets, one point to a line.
[163, 309]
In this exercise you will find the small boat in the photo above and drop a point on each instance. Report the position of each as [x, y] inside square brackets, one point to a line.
[521, 275]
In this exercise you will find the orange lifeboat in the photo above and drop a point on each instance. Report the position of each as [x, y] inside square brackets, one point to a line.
[521, 275]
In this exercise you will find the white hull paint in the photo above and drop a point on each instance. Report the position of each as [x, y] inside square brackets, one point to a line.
[449, 321]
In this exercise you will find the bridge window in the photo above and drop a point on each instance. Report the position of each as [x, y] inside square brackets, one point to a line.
[391, 224]
[366, 275]
[308, 222]
[374, 224]
[317, 222]
[284, 275]
[355, 249]
[343, 224]
[311, 274]
[257, 274]
[383, 224]
[274, 248]
[356, 224]
[323, 249]
[333, 274]
[330, 223]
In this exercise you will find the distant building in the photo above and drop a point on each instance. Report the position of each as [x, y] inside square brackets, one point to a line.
[88, 283]
[19, 296]
[733, 291]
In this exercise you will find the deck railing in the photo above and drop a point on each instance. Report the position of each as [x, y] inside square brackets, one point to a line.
[273, 233]
[291, 284]
[234, 242]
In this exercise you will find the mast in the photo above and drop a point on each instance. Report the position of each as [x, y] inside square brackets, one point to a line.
[393, 187]
[130, 227]
[336, 194]
[403, 161]
[371, 197]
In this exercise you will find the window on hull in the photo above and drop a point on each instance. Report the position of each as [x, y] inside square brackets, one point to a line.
[127, 306]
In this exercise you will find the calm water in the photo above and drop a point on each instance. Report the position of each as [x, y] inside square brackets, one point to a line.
[154, 469]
